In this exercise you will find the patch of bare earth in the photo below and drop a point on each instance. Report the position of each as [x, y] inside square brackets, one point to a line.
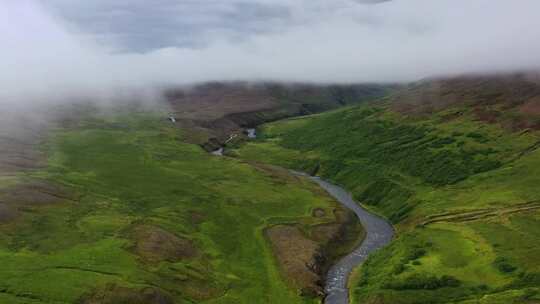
[19, 140]
[200, 291]
[31, 193]
[154, 245]
[305, 257]
[325, 232]
[113, 294]
[296, 255]
[318, 212]
[532, 107]
[7, 213]
[36, 192]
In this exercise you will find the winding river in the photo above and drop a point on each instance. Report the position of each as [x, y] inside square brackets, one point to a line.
[379, 233]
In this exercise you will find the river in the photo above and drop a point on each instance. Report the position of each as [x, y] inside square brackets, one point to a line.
[379, 233]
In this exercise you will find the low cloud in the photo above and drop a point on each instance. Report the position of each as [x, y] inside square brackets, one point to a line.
[58, 47]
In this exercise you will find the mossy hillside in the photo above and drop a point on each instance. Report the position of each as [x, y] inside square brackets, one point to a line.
[494, 259]
[384, 157]
[469, 176]
[134, 170]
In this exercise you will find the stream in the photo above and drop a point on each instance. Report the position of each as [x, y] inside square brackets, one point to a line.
[379, 233]
[251, 133]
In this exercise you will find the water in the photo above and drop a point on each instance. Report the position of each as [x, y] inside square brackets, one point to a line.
[378, 234]
[218, 152]
[251, 133]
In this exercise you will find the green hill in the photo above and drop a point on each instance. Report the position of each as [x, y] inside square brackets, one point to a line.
[116, 204]
[461, 189]
[125, 211]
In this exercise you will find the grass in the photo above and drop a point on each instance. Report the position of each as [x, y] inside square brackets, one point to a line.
[411, 168]
[135, 169]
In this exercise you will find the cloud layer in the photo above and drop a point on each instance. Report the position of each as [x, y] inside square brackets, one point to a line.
[59, 46]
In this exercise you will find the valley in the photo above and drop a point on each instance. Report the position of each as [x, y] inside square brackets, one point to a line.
[459, 189]
[126, 205]
[269, 152]
[144, 221]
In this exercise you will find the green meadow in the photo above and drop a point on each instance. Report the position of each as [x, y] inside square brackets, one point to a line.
[462, 194]
[151, 217]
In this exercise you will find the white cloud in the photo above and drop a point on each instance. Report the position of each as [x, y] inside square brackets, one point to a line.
[316, 40]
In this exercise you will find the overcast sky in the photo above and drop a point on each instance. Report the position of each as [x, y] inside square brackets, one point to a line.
[53, 46]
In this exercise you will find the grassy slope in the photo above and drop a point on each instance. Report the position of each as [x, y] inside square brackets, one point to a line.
[408, 169]
[132, 170]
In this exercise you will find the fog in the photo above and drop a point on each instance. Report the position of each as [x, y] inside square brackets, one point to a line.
[55, 48]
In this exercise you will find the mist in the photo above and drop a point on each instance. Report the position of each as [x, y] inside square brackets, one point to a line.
[57, 48]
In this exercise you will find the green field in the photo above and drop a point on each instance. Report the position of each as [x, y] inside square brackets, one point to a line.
[149, 217]
[463, 196]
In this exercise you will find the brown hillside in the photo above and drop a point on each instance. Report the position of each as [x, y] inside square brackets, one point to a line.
[512, 100]
[219, 109]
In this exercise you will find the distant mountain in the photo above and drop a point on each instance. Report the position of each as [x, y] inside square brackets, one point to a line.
[510, 100]
[219, 109]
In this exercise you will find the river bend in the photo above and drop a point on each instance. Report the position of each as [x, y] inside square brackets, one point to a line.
[378, 234]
